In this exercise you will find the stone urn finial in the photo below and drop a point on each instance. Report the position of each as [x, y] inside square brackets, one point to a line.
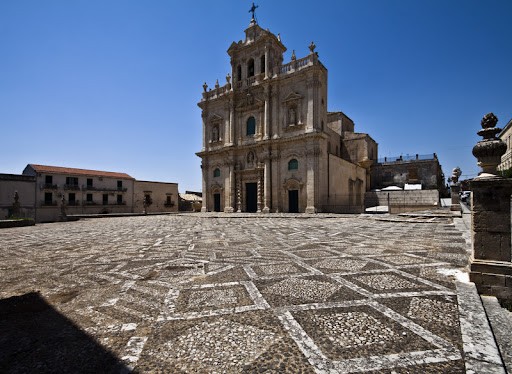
[293, 55]
[228, 78]
[217, 84]
[488, 151]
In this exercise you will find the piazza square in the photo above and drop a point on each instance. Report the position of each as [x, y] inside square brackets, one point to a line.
[229, 293]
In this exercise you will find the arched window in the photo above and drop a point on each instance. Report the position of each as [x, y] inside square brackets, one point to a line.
[250, 68]
[216, 173]
[262, 64]
[251, 126]
[238, 73]
[293, 164]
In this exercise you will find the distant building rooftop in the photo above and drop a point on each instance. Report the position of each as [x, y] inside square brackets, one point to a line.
[74, 171]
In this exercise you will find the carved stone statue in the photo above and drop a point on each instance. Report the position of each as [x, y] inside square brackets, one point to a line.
[63, 215]
[16, 206]
[456, 173]
[292, 117]
[146, 202]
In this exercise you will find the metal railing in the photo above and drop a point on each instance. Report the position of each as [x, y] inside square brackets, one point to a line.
[406, 158]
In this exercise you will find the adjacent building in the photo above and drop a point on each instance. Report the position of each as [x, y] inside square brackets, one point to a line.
[424, 170]
[163, 196]
[506, 159]
[43, 191]
[270, 144]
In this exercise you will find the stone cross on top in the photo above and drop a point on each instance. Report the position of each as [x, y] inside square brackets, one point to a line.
[253, 10]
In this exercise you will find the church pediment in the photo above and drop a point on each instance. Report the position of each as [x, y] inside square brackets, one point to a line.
[216, 118]
[248, 102]
[292, 97]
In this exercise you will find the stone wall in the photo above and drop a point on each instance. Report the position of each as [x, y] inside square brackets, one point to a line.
[403, 201]
[346, 187]
[9, 183]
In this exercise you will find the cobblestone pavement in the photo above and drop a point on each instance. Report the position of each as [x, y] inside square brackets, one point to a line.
[202, 294]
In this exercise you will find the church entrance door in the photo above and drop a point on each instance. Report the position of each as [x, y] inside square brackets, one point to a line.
[216, 202]
[251, 197]
[293, 201]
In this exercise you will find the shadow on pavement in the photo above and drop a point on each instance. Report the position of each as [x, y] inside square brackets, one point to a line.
[36, 338]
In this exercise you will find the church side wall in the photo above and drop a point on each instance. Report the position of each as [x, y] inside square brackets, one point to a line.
[346, 187]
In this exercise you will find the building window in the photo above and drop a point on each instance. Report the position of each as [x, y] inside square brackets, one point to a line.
[250, 68]
[216, 173]
[262, 64]
[72, 199]
[119, 199]
[293, 164]
[251, 126]
[119, 185]
[238, 73]
[48, 179]
[89, 182]
[168, 201]
[105, 199]
[48, 198]
[72, 181]
[89, 197]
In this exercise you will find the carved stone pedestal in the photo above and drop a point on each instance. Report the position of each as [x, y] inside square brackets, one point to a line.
[491, 268]
[455, 189]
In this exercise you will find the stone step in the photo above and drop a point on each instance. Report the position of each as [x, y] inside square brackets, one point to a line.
[501, 324]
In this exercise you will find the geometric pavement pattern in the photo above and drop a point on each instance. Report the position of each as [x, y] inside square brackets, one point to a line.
[198, 293]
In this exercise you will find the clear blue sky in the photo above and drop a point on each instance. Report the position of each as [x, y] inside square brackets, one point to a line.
[113, 84]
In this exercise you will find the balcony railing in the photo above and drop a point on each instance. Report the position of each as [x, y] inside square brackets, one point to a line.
[48, 203]
[73, 203]
[106, 189]
[168, 205]
[74, 187]
[48, 186]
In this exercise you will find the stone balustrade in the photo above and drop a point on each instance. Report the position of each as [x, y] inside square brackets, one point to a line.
[291, 67]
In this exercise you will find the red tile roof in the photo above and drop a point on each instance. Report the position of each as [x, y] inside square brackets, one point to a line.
[73, 171]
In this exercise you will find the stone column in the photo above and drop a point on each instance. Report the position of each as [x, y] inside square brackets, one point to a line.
[310, 116]
[311, 157]
[259, 186]
[239, 193]
[491, 268]
[228, 190]
[266, 120]
[205, 172]
[204, 116]
[231, 138]
[266, 181]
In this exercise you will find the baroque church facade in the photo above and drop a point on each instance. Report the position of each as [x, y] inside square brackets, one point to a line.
[269, 142]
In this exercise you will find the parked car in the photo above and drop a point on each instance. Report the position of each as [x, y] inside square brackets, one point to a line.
[465, 197]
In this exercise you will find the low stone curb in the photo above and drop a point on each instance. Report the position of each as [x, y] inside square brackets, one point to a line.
[501, 324]
[481, 355]
[8, 223]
